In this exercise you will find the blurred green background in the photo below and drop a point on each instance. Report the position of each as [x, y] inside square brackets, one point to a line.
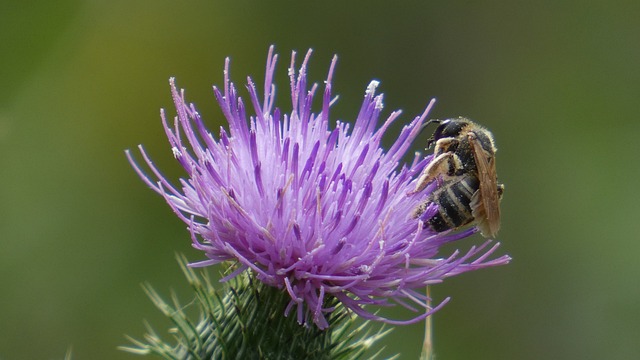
[557, 82]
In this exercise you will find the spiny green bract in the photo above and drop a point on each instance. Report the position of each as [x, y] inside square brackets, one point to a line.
[244, 320]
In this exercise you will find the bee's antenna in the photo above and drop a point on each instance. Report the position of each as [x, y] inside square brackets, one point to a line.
[431, 140]
[431, 121]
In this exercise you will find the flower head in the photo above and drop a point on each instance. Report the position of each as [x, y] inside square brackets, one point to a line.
[313, 206]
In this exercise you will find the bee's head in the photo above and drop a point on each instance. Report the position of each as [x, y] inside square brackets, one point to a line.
[447, 128]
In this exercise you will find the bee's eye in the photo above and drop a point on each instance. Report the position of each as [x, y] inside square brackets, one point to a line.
[436, 135]
[450, 128]
[441, 131]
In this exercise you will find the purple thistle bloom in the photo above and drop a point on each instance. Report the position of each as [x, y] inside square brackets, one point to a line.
[314, 209]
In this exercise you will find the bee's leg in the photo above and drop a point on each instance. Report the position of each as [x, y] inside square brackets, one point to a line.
[438, 166]
[446, 145]
[455, 166]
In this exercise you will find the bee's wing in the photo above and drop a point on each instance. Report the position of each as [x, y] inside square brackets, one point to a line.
[485, 204]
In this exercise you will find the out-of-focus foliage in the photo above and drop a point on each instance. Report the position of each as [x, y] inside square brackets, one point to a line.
[557, 83]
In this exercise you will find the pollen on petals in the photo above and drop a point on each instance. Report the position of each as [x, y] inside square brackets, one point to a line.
[176, 152]
[371, 89]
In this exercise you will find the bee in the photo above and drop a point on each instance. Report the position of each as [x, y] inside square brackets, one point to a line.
[464, 163]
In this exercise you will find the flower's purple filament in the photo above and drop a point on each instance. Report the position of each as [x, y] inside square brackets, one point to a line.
[311, 207]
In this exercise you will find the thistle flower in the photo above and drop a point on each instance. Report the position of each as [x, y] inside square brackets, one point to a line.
[316, 210]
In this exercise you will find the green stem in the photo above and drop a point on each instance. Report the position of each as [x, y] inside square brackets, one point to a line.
[427, 345]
